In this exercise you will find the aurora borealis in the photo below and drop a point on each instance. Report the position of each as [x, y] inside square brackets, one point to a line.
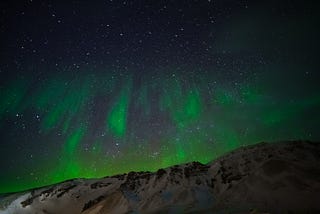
[90, 89]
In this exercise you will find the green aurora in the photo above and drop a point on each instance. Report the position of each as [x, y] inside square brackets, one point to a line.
[96, 88]
[169, 119]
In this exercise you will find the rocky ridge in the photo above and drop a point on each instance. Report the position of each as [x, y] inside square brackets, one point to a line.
[267, 177]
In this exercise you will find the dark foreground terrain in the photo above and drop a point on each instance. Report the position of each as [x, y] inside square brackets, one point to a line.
[265, 178]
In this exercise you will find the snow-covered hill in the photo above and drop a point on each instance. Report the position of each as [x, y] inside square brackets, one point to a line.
[264, 178]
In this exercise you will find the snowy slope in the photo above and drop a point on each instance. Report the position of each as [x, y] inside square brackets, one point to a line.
[276, 178]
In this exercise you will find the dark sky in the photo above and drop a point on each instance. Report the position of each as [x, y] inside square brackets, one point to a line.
[95, 88]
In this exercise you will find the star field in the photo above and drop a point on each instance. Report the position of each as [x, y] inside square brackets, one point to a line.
[95, 88]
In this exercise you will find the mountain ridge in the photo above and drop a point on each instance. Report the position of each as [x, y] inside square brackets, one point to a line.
[266, 177]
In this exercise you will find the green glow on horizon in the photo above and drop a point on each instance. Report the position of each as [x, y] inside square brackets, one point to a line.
[184, 122]
[89, 90]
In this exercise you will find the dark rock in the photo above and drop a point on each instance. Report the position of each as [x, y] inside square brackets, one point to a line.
[92, 203]
[65, 190]
[120, 176]
[27, 202]
[160, 173]
[198, 181]
[99, 185]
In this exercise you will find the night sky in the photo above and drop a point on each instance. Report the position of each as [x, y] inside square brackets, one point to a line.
[96, 88]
